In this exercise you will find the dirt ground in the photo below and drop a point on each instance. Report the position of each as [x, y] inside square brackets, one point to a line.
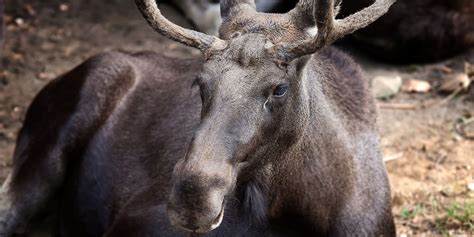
[432, 163]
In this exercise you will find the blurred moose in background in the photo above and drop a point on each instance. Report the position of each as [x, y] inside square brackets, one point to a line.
[205, 14]
[416, 30]
[413, 31]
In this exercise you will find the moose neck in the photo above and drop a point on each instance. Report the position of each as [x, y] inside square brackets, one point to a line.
[302, 181]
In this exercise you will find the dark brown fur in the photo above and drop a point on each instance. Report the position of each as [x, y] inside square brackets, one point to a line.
[146, 145]
[417, 30]
[105, 170]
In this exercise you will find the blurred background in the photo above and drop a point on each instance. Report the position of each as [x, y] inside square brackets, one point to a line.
[425, 95]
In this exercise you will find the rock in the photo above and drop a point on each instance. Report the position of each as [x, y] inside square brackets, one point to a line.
[63, 7]
[386, 86]
[19, 21]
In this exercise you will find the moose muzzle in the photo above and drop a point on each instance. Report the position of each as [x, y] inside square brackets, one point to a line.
[198, 196]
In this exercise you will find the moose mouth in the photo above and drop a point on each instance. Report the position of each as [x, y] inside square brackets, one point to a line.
[216, 223]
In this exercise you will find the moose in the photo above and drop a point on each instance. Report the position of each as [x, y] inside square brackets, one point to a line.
[205, 14]
[416, 30]
[272, 133]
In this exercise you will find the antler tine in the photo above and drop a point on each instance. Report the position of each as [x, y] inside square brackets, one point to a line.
[330, 29]
[159, 23]
[228, 5]
[363, 18]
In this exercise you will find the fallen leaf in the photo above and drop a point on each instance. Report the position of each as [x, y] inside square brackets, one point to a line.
[464, 127]
[8, 19]
[29, 9]
[446, 69]
[42, 75]
[416, 86]
[17, 57]
[455, 82]
[469, 69]
[4, 73]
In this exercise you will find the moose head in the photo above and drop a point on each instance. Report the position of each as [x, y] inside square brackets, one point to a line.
[255, 96]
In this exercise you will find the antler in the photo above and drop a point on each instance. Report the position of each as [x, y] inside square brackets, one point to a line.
[159, 23]
[330, 29]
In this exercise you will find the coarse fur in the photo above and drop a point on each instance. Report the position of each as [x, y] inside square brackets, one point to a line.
[139, 144]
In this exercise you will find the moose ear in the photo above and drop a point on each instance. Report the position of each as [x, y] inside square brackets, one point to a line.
[299, 64]
[329, 28]
[295, 66]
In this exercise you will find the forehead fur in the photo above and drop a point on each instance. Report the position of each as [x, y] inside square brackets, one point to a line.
[248, 49]
[276, 27]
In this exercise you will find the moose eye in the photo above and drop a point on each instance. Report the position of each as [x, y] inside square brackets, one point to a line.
[280, 90]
